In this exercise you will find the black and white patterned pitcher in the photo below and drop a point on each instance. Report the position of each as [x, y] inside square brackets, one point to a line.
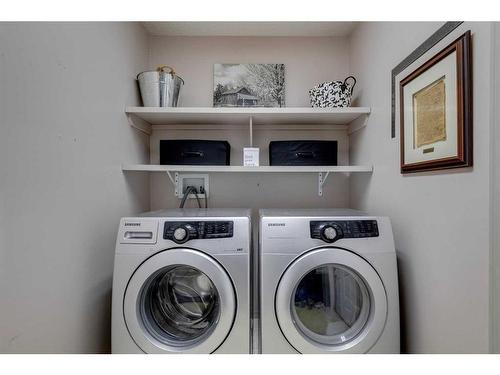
[333, 93]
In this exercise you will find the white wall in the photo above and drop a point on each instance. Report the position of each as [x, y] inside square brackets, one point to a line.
[63, 135]
[495, 290]
[441, 220]
[308, 61]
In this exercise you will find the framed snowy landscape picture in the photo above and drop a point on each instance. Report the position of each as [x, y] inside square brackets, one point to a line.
[249, 85]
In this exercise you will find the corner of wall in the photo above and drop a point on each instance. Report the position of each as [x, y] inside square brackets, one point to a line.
[495, 193]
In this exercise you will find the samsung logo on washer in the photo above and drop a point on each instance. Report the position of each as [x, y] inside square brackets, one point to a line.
[276, 224]
[132, 224]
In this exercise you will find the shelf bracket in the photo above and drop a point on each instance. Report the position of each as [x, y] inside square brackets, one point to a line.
[357, 124]
[174, 180]
[321, 181]
[139, 124]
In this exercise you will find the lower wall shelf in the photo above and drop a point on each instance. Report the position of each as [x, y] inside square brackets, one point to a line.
[239, 168]
[322, 171]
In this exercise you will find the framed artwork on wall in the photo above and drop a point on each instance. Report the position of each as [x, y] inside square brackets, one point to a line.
[435, 103]
[249, 85]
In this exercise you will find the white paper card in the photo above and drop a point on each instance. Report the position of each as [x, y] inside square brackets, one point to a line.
[251, 157]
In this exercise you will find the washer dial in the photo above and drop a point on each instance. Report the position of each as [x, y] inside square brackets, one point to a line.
[330, 233]
[181, 235]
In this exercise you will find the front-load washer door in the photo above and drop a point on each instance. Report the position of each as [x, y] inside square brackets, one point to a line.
[331, 300]
[179, 301]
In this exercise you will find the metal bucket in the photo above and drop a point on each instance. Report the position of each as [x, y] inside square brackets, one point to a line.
[160, 88]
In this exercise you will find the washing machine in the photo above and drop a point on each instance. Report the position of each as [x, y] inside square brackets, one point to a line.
[181, 282]
[328, 283]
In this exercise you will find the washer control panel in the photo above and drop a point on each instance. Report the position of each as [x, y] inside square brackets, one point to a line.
[183, 231]
[331, 231]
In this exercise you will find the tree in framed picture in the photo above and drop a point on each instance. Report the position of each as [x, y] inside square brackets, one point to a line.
[436, 111]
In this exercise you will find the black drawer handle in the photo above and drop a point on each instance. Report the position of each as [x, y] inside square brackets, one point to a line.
[192, 154]
[304, 155]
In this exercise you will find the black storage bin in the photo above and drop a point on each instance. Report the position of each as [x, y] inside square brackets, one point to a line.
[194, 152]
[303, 153]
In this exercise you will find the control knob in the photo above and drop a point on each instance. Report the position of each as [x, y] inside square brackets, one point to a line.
[181, 234]
[329, 233]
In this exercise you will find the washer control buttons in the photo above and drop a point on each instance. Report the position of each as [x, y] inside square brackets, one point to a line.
[181, 232]
[330, 231]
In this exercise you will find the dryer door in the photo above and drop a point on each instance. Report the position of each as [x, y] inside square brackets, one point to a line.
[331, 300]
[179, 301]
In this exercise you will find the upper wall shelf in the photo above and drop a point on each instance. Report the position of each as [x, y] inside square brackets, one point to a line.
[144, 117]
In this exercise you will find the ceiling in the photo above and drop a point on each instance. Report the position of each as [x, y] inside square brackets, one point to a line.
[250, 28]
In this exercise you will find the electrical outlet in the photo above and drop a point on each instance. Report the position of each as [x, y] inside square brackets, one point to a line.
[200, 181]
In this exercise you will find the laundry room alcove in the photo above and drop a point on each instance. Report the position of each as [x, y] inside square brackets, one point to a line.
[308, 60]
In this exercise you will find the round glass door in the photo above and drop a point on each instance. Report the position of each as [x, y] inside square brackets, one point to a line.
[179, 301]
[331, 300]
[179, 305]
[331, 304]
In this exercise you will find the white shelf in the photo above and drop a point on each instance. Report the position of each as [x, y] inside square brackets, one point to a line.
[144, 118]
[148, 116]
[241, 169]
[322, 171]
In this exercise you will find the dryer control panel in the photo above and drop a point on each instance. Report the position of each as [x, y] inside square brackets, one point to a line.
[183, 231]
[331, 231]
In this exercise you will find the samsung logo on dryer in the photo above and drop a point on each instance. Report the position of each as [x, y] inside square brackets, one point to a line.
[132, 224]
[276, 224]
